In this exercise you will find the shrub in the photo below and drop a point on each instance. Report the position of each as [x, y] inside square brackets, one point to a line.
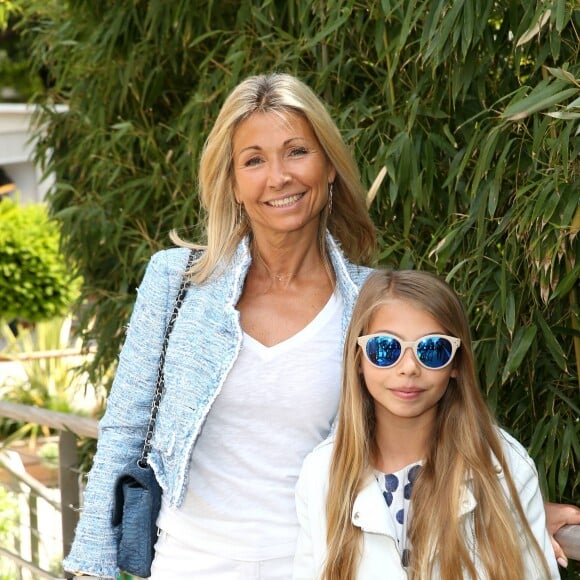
[35, 281]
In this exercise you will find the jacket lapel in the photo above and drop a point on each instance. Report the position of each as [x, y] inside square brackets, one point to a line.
[370, 511]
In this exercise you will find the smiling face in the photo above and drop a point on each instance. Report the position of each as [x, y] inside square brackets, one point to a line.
[406, 390]
[281, 174]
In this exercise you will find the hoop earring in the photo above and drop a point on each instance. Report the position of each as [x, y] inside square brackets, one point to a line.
[330, 194]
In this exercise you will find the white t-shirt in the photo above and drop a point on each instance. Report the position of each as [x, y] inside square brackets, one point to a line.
[275, 406]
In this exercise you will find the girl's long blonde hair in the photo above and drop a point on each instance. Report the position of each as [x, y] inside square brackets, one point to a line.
[464, 441]
[348, 222]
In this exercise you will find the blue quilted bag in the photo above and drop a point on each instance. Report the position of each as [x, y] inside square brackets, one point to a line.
[137, 505]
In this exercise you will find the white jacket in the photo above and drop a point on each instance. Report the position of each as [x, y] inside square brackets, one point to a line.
[381, 558]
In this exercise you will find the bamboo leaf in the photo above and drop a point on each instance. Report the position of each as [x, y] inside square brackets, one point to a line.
[539, 437]
[468, 26]
[549, 450]
[563, 75]
[497, 179]
[328, 30]
[552, 343]
[521, 344]
[564, 116]
[484, 163]
[535, 29]
[510, 312]
[537, 101]
[561, 14]
[567, 283]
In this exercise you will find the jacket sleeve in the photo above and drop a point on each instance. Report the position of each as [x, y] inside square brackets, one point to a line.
[304, 565]
[122, 428]
[525, 476]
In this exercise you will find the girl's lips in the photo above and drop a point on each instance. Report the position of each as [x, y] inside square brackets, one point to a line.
[407, 393]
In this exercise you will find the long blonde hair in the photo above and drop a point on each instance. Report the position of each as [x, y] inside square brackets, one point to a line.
[349, 220]
[463, 444]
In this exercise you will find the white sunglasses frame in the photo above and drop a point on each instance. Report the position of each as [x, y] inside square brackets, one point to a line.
[412, 344]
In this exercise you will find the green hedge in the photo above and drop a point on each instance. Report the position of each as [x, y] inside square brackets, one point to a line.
[35, 281]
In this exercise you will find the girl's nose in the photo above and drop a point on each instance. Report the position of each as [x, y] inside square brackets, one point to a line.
[408, 363]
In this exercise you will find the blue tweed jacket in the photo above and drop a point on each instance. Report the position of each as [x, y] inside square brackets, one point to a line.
[203, 347]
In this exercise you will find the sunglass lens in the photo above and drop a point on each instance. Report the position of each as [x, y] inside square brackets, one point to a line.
[434, 352]
[383, 351]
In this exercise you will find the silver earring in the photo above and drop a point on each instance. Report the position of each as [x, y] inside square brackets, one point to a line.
[239, 214]
[330, 193]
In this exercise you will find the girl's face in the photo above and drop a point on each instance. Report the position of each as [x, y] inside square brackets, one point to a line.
[405, 390]
[281, 174]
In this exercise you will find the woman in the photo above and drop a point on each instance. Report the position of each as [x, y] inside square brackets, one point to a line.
[419, 481]
[274, 288]
[252, 370]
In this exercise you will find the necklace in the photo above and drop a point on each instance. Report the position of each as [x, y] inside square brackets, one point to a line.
[273, 275]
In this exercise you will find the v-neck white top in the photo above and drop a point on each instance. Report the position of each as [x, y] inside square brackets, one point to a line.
[239, 502]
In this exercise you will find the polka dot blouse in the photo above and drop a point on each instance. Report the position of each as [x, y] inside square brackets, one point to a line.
[396, 488]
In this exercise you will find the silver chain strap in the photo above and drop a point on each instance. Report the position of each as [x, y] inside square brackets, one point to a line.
[160, 381]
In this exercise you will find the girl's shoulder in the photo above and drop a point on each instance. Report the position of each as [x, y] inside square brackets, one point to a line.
[520, 463]
[317, 463]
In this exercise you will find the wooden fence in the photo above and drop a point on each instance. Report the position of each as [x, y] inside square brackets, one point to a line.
[69, 427]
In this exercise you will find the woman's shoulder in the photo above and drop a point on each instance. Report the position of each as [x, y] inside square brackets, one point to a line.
[357, 273]
[168, 266]
[171, 260]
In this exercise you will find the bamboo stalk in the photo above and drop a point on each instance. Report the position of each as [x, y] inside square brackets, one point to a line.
[575, 231]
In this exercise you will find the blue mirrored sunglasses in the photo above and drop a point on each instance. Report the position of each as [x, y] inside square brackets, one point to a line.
[434, 351]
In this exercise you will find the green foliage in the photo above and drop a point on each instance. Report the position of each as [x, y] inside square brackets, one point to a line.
[18, 82]
[53, 382]
[35, 281]
[472, 107]
[9, 523]
[8, 8]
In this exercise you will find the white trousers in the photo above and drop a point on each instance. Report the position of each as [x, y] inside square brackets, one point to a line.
[173, 560]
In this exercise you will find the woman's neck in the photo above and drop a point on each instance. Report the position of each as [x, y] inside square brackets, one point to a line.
[282, 262]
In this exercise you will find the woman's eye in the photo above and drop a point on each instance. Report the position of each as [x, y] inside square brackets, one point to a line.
[296, 151]
[252, 161]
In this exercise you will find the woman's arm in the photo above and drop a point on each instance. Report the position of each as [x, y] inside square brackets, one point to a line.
[122, 429]
[558, 515]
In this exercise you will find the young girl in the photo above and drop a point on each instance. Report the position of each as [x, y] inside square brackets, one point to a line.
[418, 482]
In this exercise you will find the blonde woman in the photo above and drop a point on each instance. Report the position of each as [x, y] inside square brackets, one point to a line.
[245, 398]
[418, 481]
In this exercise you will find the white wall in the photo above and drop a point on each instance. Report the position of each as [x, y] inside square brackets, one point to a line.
[16, 151]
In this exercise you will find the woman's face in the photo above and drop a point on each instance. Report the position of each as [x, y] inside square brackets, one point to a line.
[281, 174]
